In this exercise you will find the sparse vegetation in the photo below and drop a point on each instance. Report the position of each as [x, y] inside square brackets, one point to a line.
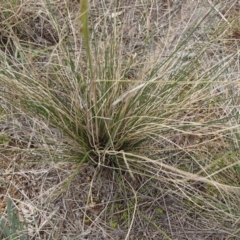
[120, 119]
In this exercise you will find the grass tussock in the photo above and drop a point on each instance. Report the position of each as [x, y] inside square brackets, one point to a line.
[145, 122]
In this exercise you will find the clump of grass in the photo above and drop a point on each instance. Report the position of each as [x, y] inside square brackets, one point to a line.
[164, 125]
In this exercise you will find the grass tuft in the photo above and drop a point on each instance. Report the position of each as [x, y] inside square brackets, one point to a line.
[164, 117]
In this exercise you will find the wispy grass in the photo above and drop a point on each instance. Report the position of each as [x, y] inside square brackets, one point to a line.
[171, 123]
